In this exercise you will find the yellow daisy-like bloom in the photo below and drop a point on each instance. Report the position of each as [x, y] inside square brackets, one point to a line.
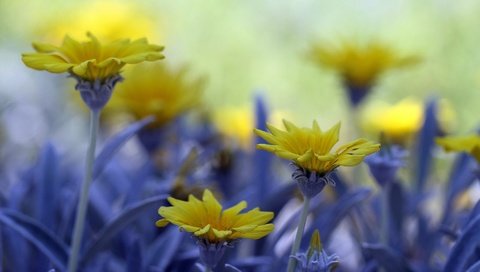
[206, 220]
[235, 123]
[360, 66]
[91, 60]
[125, 19]
[398, 122]
[156, 89]
[469, 144]
[309, 148]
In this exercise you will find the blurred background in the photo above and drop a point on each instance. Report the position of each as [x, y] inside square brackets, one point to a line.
[245, 48]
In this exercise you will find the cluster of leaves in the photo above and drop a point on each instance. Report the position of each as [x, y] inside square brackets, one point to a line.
[37, 212]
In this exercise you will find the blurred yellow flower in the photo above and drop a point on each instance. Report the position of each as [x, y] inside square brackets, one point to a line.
[309, 148]
[400, 122]
[158, 90]
[235, 123]
[91, 60]
[206, 220]
[125, 19]
[360, 66]
[469, 144]
[397, 122]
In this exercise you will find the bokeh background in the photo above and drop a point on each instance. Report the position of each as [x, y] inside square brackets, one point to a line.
[243, 48]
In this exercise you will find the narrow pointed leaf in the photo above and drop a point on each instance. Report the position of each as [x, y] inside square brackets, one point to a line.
[464, 247]
[425, 145]
[114, 144]
[386, 258]
[45, 241]
[118, 224]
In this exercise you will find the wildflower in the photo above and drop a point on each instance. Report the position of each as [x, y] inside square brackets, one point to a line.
[398, 122]
[359, 66]
[309, 149]
[469, 144]
[125, 19]
[94, 65]
[316, 259]
[384, 164]
[235, 123]
[213, 228]
[158, 90]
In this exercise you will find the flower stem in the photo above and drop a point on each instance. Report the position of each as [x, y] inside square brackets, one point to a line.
[384, 216]
[83, 200]
[292, 262]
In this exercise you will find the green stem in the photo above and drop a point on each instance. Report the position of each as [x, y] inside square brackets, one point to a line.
[208, 269]
[292, 262]
[83, 200]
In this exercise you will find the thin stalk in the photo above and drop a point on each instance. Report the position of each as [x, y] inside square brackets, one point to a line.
[292, 262]
[208, 269]
[83, 200]
[384, 214]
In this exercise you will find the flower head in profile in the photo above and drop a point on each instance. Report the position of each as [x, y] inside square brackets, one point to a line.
[95, 65]
[359, 66]
[316, 259]
[213, 227]
[207, 221]
[310, 149]
[157, 89]
[469, 144]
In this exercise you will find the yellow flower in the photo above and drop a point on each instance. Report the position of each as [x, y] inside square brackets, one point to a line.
[400, 122]
[235, 123]
[310, 148]
[125, 19]
[206, 220]
[397, 122]
[469, 144]
[360, 66]
[156, 89]
[91, 60]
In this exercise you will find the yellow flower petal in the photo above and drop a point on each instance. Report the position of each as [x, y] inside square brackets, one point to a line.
[310, 148]
[205, 219]
[91, 60]
[161, 223]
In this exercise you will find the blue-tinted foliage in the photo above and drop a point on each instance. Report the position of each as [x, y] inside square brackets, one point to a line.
[390, 227]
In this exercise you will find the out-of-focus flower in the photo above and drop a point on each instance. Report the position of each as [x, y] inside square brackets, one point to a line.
[359, 66]
[384, 164]
[214, 228]
[235, 123]
[316, 259]
[158, 90]
[309, 149]
[469, 144]
[96, 66]
[125, 19]
[400, 122]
